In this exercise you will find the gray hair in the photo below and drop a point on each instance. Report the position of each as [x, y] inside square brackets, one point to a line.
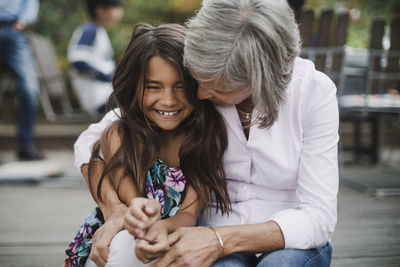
[245, 43]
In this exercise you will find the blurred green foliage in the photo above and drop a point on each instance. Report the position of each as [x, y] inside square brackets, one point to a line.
[58, 18]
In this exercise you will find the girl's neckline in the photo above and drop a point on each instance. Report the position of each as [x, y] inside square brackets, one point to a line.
[171, 168]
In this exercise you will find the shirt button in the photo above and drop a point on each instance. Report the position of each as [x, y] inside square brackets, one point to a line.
[245, 188]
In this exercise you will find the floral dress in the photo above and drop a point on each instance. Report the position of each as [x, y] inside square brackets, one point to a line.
[163, 183]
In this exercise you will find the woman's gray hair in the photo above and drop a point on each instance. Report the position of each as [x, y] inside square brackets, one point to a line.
[245, 43]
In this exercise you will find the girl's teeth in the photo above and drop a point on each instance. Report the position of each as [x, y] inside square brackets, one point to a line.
[169, 113]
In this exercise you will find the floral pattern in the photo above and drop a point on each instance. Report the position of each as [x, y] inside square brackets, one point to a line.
[167, 185]
[79, 249]
[163, 183]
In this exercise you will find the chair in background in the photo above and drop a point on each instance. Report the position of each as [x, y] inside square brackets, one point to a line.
[383, 76]
[54, 96]
[326, 49]
[383, 68]
[380, 96]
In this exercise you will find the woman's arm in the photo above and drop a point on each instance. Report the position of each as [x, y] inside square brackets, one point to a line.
[113, 211]
[123, 185]
[82, 152]
[264, 237]
[137, 219]
[312, 223]
[85, 141]
[199, 246]
[111, 205]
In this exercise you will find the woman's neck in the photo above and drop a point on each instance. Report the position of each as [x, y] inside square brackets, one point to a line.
[246, 105]
[245, 111]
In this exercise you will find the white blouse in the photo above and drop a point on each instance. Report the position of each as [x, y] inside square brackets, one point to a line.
[287, 173]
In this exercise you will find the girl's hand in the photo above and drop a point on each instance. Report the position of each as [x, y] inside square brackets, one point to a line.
[141, 215]
[154, 243]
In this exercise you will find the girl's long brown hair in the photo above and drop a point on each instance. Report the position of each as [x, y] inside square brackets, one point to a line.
[205, 140]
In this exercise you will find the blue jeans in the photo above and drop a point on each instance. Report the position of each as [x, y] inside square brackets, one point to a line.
[318, 257]
[16, 54]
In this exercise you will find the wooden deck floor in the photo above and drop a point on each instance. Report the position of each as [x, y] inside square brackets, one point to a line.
[37, 221]
[368, 230]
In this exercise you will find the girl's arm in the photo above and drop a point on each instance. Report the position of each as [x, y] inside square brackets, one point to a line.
[142, 219]
[82, 152]
[110, 143]
[154, 243]
[187, 214]
[110, 205]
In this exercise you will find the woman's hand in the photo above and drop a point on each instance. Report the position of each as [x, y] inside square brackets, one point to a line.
[154, 243]
[141, 215]
[191, 246]
[103, 236]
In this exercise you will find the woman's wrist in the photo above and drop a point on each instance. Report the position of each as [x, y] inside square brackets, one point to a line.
[220, 241]
[251, 238]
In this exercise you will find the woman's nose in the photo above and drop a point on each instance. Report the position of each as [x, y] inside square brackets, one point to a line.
[203, 93]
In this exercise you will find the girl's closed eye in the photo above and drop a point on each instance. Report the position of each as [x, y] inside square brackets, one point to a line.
[149, 84]
[179, 86]
[150, 87]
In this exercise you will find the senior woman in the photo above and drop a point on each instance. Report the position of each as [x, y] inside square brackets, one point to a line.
[281, 162]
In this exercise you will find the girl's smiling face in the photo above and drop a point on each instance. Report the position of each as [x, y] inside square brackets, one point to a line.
[164, 99]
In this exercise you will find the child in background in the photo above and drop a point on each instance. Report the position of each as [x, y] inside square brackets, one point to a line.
[166, 148]
[91, 56]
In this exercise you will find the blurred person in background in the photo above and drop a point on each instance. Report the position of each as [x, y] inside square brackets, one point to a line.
[16, 55]
[91, 55]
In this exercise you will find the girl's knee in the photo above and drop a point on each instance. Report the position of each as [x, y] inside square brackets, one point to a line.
[122, 251]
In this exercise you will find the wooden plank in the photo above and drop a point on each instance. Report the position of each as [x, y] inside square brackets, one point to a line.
[393, 61]
[367, 226]
[377, 32]
[33, 256]
[42, 214]
[325, 23]
[306, 21]
[387, 261]
[340, 39]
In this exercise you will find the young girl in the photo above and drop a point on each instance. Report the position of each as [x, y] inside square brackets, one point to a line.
[166, 146]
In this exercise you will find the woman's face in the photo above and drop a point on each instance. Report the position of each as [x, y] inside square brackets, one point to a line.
[219, 93]
[164, 100]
